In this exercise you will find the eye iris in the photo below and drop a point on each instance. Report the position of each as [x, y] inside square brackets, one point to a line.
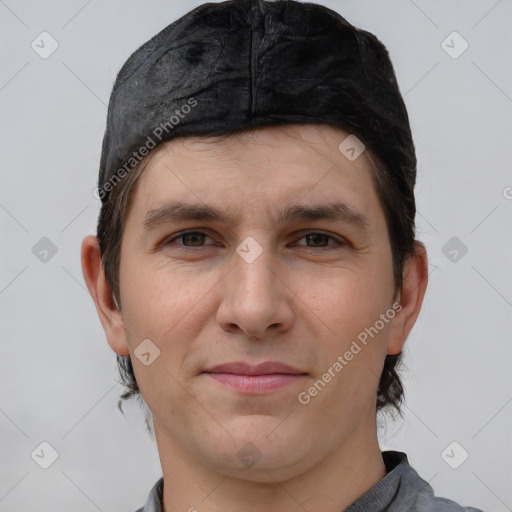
[196, 238]
[317, 238]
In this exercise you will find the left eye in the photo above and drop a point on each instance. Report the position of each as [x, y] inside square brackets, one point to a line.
[320, 240]
[197, 239]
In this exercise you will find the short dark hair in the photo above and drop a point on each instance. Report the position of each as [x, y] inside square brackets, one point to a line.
[379, 119]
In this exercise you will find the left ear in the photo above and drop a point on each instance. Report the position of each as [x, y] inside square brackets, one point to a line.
[410, 296]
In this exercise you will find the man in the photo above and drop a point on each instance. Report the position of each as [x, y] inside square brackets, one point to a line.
[255, 267]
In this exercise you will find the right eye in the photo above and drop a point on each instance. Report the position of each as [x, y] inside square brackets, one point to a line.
[188, 239]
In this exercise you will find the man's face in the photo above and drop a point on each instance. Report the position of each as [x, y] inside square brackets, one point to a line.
[255, 288]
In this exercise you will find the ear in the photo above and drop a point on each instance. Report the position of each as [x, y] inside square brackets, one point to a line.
[410, 297]
[110, 316]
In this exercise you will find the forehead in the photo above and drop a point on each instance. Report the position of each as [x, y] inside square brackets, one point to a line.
[266, 162]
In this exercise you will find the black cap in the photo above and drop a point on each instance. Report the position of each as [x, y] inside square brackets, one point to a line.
[229, 66]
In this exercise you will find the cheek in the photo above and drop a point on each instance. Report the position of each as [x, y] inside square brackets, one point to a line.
[348, 301]
[161, 299]
[350, 305]
[161, 305]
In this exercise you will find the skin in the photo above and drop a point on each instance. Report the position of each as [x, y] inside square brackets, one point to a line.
[302, 301]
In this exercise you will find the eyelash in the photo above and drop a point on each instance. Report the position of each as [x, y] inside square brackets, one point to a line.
[338, 243]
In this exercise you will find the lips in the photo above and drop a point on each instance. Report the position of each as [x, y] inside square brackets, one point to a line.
[266, 368]
[261, 378]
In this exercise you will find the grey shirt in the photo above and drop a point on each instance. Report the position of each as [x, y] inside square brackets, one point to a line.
[400, 490]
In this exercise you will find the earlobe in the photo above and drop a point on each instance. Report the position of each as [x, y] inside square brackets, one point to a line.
[412, 292]
[106, 306]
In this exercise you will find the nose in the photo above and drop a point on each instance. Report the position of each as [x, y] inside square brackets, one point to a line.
[256, 299]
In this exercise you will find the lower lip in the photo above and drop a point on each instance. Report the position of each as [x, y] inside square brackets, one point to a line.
[256, 383]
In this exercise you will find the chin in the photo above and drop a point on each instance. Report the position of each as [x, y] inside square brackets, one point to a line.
[259, 448]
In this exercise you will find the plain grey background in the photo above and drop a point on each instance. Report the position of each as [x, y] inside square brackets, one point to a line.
[57, 373]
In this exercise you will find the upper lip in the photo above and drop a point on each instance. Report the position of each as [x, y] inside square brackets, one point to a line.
[243, 368]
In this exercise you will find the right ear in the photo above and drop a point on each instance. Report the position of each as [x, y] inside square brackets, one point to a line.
[110, 316]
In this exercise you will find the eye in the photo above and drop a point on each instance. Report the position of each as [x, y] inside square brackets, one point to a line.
[320, 240]
[189, 239]
[314, 240]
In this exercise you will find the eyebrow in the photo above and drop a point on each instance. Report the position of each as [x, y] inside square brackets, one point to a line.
[179, 211]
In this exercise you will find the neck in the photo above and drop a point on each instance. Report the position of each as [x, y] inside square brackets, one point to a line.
[331, 486]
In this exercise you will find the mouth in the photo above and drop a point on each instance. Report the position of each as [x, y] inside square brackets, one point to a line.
[255, 379]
